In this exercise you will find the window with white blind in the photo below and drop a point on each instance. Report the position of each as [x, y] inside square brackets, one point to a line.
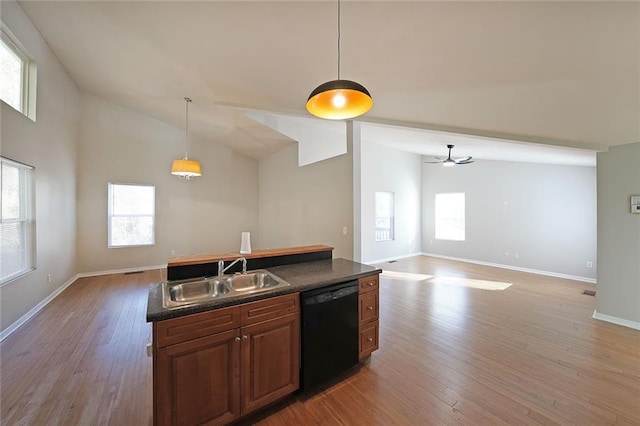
[384, 210]
[17, 76]
[131, 215]
[17, 225]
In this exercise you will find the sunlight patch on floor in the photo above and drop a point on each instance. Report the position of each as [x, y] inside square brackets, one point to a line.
[470, 283]
[408, 276]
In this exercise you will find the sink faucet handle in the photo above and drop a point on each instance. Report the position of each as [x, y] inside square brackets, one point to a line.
[244, 265]
[220, 267]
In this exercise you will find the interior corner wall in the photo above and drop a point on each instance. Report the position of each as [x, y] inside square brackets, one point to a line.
[306, 205]
[48, 144]
[533, 216]
[206, 214]
[618, 288]
[391, 170]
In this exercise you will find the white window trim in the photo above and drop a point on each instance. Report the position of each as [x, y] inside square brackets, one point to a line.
[28, 196]
[464, 213]
[28, 90]
[392, 218]
[110, 215]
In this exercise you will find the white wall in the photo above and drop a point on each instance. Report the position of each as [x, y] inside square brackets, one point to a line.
[618, 294]
[204, 215]
[306, 205]
[544, 213]
[49, 144]
[391, 170]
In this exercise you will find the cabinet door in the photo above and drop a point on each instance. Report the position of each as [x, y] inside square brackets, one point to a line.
[199, 381]
[270, 361]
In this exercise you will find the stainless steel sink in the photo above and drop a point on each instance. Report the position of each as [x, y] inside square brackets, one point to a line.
[252, 281]
[197, 290]
[201, 290]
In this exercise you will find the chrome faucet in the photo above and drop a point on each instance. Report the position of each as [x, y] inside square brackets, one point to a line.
[222, 269]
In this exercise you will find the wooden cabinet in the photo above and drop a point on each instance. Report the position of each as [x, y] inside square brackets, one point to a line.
[217, 366]
[368, 314]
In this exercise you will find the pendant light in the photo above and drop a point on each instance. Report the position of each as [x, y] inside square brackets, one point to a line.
[186, 168]
[339, 99]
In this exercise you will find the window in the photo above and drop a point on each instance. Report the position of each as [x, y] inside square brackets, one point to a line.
[131, 215]
[17, 225]
[17, 76]
[450, 216]
[384, 216]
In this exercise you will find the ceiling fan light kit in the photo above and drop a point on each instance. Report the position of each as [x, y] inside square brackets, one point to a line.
[449, 162]
[185, 168]
[339, 99]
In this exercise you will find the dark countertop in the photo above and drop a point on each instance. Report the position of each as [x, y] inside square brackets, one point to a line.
[301, 276]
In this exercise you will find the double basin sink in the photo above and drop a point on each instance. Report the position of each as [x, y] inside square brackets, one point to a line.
[202, 290]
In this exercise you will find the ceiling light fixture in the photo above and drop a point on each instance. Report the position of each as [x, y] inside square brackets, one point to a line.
[339, 99]
[186, 168]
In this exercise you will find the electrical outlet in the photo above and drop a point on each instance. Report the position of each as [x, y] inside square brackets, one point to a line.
[173, 252]
[48, 278]
[344, 230]
[589, 264]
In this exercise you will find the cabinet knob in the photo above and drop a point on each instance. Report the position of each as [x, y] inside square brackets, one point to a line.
[237, 339]
[245, 337]
[370, 339]
[371, 284]
[370, 308]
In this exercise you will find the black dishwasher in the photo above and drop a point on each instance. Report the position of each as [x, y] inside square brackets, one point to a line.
[329, 333]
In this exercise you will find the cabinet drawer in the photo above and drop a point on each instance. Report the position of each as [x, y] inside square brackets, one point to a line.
[368, 339]
[368, 307]
[368, 283]
[177, 330]
[274, 307]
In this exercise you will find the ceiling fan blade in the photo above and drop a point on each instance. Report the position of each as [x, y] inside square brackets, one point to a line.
[436, 159]
[466, 160]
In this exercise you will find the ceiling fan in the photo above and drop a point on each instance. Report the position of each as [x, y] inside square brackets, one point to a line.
[451, 161]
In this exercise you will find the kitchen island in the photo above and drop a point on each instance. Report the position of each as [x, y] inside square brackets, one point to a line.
[223, 359]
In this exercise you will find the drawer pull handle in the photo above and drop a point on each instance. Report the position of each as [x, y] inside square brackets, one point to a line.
[370, 308]
[370, 339]
[244, 337]
[237, 339]
[371, 284]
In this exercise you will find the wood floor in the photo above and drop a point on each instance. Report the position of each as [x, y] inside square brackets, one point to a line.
[449, 354]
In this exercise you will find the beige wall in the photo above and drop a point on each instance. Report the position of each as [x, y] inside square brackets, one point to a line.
[540, 217]
[50, 146]
[618, 294]
[387, 169]
[306, 205]
[205, 214]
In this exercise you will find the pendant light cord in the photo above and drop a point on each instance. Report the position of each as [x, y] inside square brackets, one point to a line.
[186, 130]
[338, 39]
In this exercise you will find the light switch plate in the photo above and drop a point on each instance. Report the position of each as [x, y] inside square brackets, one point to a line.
[635, 204]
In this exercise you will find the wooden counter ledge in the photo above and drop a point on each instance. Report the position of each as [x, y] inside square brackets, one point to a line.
[256, 254]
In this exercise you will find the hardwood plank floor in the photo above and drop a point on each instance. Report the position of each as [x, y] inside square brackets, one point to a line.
[449, 354]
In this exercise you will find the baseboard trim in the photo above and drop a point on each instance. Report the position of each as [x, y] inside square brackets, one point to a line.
[26, 317]
[120, 271]
[391, 258]
[515, 268]
[615, 320]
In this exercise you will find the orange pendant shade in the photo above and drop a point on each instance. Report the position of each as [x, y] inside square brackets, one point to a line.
[339, 100]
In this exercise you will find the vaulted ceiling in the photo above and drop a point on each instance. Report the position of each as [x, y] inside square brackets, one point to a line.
[555, 73]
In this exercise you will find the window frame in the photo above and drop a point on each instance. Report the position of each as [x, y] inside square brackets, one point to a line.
[110, 186]
[26, 216]
[28, 77]
[392, 218]
[464, 217]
